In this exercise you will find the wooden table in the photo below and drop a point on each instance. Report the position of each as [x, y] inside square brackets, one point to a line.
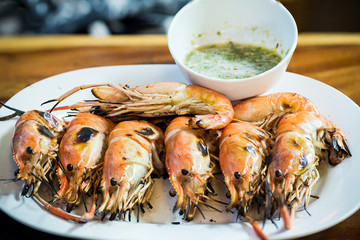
[331, 58]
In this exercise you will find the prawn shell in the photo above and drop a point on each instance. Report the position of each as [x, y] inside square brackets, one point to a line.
[128, 165]
[188, 164]
[35, 143]
[243, 148]
[81, 151]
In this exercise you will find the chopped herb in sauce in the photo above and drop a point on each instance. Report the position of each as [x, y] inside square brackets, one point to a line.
[231, 60]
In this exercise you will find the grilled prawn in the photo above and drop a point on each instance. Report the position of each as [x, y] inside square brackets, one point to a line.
[35, 148]
[212, 110]
[243, 148]
[35, 145]
[188, 165]
[81, 153]
[266, 111]
[301, 140]
[132, 155]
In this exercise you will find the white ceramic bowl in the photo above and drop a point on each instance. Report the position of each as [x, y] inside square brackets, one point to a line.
[265, 23]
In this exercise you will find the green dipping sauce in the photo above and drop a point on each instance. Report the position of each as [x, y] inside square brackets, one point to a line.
[231, 60]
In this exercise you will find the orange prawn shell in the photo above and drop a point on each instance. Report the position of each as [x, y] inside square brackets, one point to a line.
[186, 151]
[301, 140]
[240, 152]
[180, 150]
[293, 150]
[41, 132]
[128, 164]
[78, 153]
[81, 152]
[257, 108]
[211, 109]
[223, 111]
[124, 134]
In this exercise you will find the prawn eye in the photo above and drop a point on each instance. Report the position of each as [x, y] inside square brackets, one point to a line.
[29, 150]
[69, 167]
[172, 193]
[113, 182]
[228, 194]
[237, 175]
[278, 173]
[184, 172]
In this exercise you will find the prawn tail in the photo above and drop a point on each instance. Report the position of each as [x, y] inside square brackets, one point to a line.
[339, 148]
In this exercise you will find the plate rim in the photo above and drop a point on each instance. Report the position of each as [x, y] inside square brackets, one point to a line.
[173, 66]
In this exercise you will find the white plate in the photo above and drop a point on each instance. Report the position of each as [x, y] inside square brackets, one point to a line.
[338, 196]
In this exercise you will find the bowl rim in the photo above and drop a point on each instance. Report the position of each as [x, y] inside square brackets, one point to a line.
[232, 80]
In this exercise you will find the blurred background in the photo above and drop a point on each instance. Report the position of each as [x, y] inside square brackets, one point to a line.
[110, 17]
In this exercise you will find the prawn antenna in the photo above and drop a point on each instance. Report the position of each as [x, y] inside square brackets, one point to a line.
[267, 163]
[202, 214]
[8, 180]
[50, 187]
[267, 212]
[49, 101]
[129, 214]
[17, 112]
[307, 210]
[213, 199]
[83, 198]
[207, 205]
[138, 212]
[61, 165]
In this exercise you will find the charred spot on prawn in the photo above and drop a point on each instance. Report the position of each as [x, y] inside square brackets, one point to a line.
[286, 106]
[190, 122]
[48, 118]
[201, 145]
[295, 143]
[304, 160]
[251, 150]
[85, 134]
[198, 123]
[45, 131]
[262, 135]
[145, 132]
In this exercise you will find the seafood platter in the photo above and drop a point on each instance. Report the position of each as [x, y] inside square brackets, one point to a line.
[124, 151]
